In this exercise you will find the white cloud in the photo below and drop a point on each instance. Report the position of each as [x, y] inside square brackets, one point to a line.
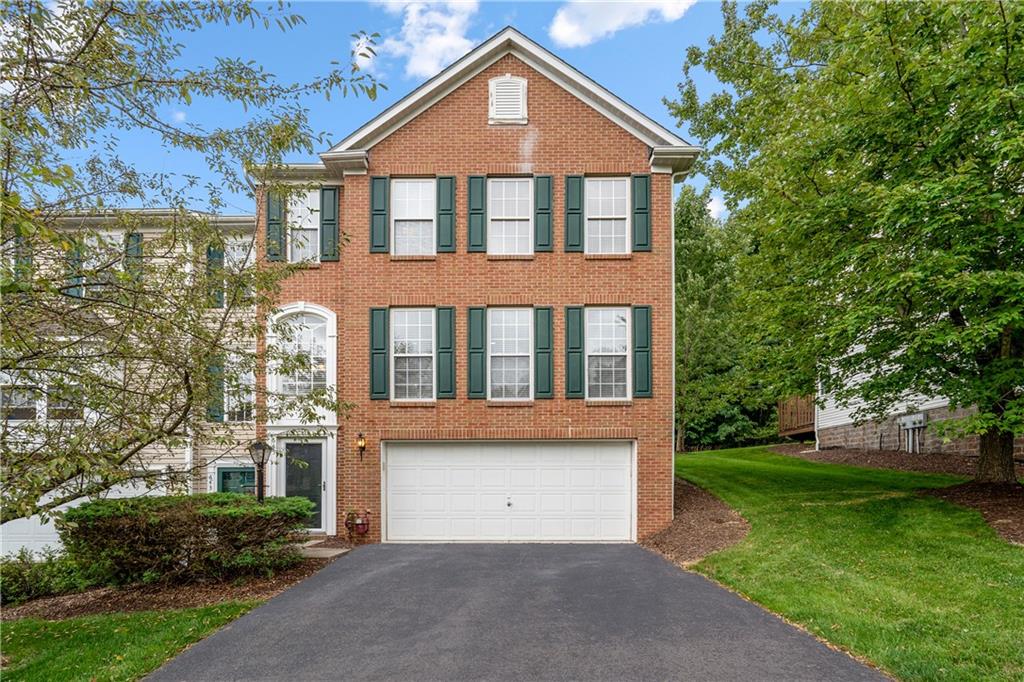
[179, 116]
[716, 207]
[582, 22]
[433, 34]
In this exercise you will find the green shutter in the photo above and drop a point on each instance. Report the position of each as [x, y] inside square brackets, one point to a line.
[477, 370]
[133, 254]
[477, 213]
[446, 214]
[574, 370]
[543, 355]
[215, 276]
[379, 353]
[542, 213]
[574, 213]
[329, 223]
[215, 405]
[378, 215]
[275, 227]
[446, 352]
[641, 202]
[642, 351]
[76, 279]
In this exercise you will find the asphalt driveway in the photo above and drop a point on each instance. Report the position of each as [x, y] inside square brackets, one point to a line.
[509, 612]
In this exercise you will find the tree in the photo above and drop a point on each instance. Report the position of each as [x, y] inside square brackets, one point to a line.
[718, 401]
[873, 154]
[133, 343]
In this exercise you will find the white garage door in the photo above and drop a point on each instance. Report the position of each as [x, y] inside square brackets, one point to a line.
[509, 492]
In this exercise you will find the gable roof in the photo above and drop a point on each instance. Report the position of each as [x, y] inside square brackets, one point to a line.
[350, 152]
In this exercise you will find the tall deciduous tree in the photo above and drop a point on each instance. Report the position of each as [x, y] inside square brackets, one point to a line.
[718, 400]
[874, 152]
[132, 343]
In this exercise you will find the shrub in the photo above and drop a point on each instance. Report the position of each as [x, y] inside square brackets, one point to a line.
[183, 538]
[25, 576]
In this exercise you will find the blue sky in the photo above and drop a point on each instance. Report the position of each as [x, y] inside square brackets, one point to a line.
[634, 49]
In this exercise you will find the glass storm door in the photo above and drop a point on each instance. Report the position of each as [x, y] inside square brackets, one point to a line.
[236, 480]
[304, 477]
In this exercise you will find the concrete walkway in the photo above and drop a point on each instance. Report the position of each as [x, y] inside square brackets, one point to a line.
[509, 612]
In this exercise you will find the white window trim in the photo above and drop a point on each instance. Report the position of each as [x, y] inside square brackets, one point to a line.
[328, 419]
[530, 354]
[628, 217]
[629, 354]
[392, 218]
[492, 118]
[530, 214]
[213, 475]
[391, 355]
[279, 437]
[288, 228]
[232, 359]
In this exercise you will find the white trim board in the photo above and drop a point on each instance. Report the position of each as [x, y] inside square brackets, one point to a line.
[507, 41]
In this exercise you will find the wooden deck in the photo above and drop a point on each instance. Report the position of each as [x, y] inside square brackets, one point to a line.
[796, 416]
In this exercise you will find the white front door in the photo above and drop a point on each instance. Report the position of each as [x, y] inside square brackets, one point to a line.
[564, 491]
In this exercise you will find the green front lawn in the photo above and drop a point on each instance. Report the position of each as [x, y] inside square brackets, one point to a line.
[923, 588]
[120, 646]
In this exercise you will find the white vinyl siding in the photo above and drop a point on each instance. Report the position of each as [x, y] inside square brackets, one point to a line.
[510, 353]
[412, 354]
[510, 216]
[608, 348]
[413, 210]
[303, 234]
[607, 215]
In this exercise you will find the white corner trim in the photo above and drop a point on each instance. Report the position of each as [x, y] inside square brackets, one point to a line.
[507, 41]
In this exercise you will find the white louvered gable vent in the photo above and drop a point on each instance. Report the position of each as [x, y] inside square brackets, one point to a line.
[507, 100]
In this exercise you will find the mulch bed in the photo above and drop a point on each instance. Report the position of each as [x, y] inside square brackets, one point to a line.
[703, 524]
[157, 597]
[930, 463]
[1001, 504]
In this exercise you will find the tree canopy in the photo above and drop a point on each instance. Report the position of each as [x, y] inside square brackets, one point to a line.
[132, 325]
[873, 153]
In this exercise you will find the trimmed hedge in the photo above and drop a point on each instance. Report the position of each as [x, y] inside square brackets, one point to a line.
[183, 538]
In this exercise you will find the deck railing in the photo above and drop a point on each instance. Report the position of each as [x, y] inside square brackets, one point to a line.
[796, 415]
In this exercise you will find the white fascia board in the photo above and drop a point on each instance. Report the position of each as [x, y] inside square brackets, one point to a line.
[545, 62]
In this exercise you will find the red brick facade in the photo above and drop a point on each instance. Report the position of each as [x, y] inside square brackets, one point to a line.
[564, 136]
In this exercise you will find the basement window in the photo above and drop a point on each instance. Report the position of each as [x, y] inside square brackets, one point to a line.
[506, 100]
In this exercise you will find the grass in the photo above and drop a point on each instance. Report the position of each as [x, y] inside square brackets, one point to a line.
[923, 588]
[120, 646]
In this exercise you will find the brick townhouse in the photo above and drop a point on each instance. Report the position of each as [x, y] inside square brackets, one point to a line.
[489, 285]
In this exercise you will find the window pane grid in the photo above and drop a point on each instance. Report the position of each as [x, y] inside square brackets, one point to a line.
[607, 203]
[508, 211]
[607, 353]
[412, 345]
[510, 346]
[413, 203]
[303, 217]
[309, 345]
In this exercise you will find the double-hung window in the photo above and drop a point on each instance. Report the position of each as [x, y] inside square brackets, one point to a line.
[307, 351]
[238, 259]
[413, 207]
[18, 402]
[412, 353]
[240, 396]
[607, 224]
[607, 341]
[509, 215]
[510, 356]
[304, 227]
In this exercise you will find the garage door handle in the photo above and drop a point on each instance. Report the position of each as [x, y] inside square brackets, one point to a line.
[508, 503]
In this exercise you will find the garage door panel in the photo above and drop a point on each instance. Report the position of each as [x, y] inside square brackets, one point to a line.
[509, 492]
